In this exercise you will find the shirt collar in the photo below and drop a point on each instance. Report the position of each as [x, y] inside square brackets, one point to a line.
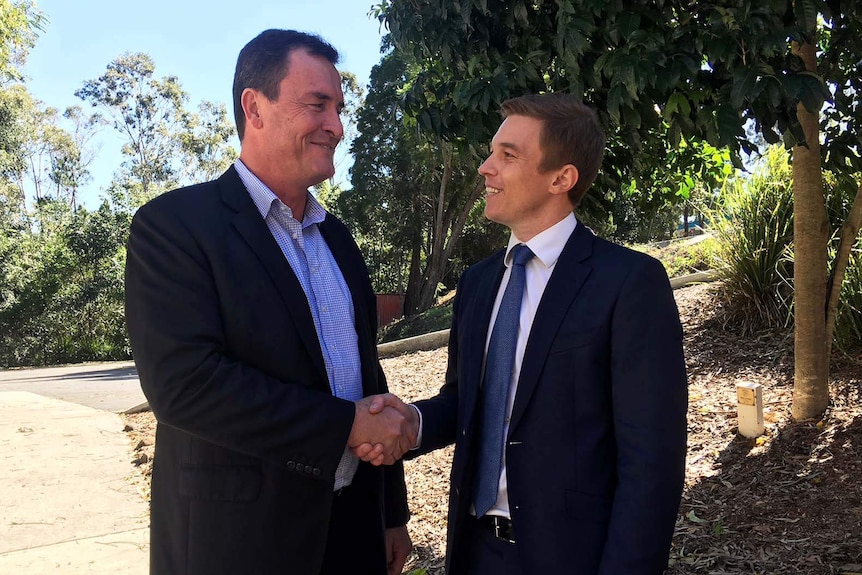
[264, 198]
[547, 245]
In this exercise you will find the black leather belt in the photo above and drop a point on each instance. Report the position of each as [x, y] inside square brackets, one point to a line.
[500, 527]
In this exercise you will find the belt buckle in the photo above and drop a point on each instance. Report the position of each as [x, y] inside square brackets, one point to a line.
[499, 531]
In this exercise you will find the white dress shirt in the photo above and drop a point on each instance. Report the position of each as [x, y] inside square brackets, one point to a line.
[547, 247]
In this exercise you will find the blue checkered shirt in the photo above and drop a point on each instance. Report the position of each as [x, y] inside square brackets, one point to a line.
[327, 293]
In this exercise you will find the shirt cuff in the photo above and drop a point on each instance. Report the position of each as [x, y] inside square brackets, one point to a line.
[418, 435]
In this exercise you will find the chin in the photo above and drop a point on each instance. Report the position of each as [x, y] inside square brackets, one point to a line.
[492, 216]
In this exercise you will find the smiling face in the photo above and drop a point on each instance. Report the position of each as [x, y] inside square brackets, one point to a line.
[290, 142]
[518, 194]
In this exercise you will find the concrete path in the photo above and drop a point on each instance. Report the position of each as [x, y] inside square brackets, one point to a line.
[66, 503]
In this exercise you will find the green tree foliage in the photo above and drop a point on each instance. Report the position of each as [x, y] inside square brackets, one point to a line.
[165, 144]
[660, 71]
[203, 143]
[653, 69]
[354, 99]
[39, 158]
[12, 162]
[147, 111]
[412, 195]
[74, 154]
[61, 289]
[20, 23]
[61, 266]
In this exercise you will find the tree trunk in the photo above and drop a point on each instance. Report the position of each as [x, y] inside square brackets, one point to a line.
[811, 234]
[685, 215]
[414, 276]
[849, 233]
[454, 222]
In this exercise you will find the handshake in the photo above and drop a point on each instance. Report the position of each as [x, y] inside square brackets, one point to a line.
[384, 429]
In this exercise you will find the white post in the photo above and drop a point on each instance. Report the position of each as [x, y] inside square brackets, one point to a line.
[749, 398]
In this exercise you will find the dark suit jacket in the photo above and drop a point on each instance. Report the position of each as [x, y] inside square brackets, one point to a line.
[249, 434]
[596, 448]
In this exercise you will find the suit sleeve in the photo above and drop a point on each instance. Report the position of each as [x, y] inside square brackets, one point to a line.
[191, 379]
[650, 397]
[440, 413]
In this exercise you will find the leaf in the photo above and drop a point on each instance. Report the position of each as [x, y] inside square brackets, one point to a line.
[811, 91]
[744, 82]
[692, 517]
[521, 14]
[676, 104]
[628, 23]
[728, 123]
[806, 15]
[614, 96]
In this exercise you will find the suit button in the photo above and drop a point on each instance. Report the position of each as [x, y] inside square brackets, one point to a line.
[464, 432]
[308, 469]
[316, 471]
[291, 464]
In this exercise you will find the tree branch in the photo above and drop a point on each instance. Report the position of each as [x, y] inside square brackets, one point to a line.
[849, 235]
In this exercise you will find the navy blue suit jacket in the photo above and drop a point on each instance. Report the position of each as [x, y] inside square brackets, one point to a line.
[249, 434]
[596, 448]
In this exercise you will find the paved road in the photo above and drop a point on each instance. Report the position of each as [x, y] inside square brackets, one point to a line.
[110, 386]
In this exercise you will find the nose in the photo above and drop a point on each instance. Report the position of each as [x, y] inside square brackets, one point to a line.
[486, 168]
[332, 124]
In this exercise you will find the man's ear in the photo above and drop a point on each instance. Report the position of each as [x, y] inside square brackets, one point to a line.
[565, 179]
[250, 101]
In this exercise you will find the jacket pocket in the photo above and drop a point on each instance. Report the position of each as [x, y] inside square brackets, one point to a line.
[237, 483]
[565, 342]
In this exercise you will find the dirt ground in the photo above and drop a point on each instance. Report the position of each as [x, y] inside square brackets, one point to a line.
[789, 501]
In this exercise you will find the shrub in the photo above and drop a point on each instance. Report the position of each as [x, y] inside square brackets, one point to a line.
[754, 226]
[685, 256]
[848, 321]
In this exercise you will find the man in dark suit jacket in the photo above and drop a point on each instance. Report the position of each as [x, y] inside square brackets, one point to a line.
[252, 322]
[590, 463]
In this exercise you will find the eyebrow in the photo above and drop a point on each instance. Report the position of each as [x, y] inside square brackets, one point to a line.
[506, 145]
[327, 98]
[321, 96]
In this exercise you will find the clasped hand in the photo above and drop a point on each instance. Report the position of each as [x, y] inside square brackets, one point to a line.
[384, 429]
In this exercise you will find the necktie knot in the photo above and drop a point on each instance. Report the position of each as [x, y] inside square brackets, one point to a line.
[521, 254]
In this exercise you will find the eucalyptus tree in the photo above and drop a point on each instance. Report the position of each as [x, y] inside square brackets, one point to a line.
[165, 144]
[204, 143]
[20, 24]
[147, 111]
[660, 71]
[71, 162]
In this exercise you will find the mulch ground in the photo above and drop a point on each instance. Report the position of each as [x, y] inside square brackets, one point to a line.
[789, 501]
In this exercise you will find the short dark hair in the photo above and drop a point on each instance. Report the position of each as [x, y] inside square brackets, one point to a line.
[263, 63]
[571, 134]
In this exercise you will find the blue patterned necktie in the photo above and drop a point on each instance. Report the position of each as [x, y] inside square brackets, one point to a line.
[498, 376]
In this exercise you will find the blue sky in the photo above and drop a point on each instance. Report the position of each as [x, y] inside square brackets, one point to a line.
[195, 40]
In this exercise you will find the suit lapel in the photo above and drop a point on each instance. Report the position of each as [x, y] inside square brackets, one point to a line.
[562, 289]
[477, 319]
[253, 229]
